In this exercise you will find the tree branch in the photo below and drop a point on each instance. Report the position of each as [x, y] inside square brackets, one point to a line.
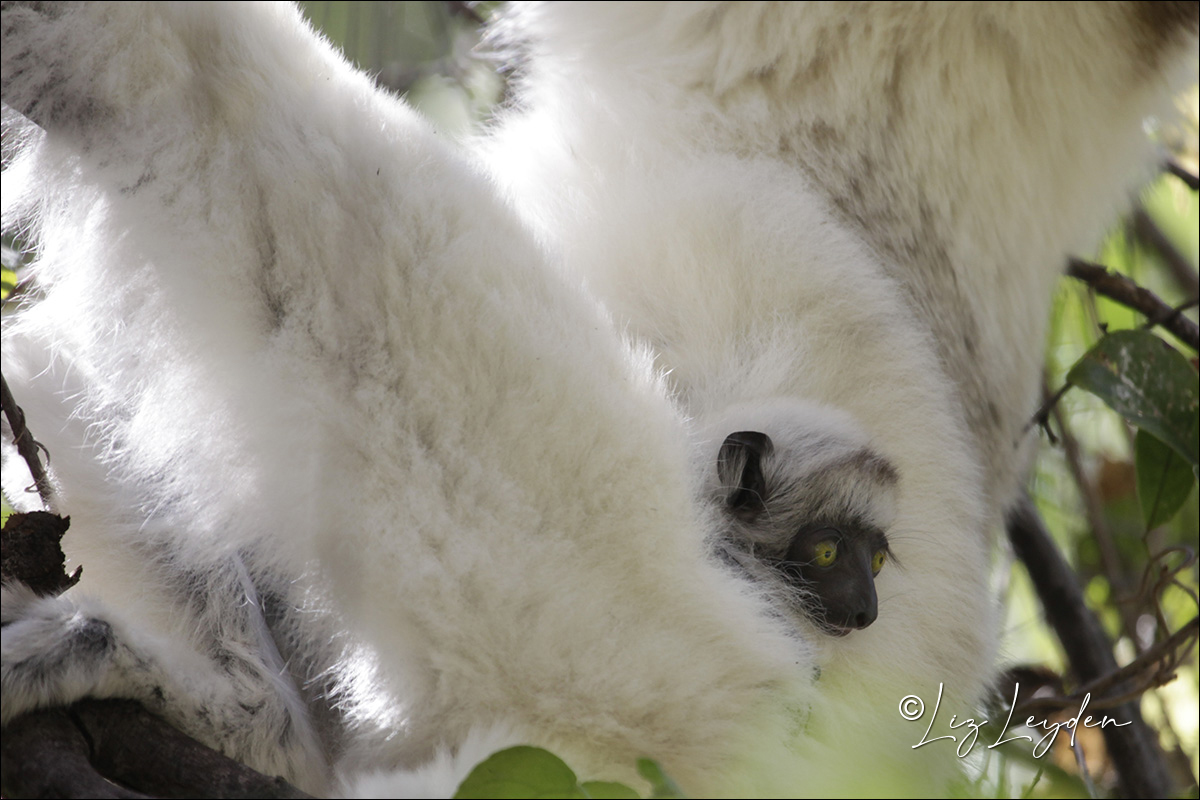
[77, 751]
[1133, 748]
[46, 755]
[27, 446]
[1127, 293]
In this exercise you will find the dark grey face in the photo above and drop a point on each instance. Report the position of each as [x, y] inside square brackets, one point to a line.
[790, 520]
[838, 565]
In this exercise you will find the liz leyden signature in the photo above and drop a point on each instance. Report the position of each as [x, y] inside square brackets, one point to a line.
[912, 708]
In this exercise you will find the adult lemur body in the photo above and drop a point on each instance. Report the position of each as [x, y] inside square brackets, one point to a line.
[970, 211]
[845, 114]
[370, 477]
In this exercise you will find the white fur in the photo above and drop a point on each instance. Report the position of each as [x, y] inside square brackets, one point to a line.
[288, 338]
[983, 140]
[860, 207]
[339, 428]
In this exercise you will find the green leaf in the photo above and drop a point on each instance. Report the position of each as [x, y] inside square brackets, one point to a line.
[1149, 383]
[521, 772]
[609, 790]
[661, 784]
[1164, 479]
[8, 281]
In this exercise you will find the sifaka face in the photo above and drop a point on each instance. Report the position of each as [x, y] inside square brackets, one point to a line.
[807, 519]
[837, 565]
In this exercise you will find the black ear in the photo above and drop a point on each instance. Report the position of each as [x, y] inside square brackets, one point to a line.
[739, 467]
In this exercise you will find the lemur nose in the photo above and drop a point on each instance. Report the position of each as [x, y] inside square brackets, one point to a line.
[865, 617]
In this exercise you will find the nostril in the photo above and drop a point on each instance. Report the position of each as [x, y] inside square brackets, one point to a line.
[864, 618]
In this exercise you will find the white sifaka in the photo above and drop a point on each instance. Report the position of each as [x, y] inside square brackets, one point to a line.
[382, 454]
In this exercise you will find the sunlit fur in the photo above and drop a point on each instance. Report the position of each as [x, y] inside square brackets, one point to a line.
[366, 480]
[862, 207]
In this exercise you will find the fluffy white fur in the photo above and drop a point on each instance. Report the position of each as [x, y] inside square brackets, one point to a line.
[374, 481]
[862, 207]
[967, 148]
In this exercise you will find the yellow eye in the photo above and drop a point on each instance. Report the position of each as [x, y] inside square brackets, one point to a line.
[825, 553]
[877, 562]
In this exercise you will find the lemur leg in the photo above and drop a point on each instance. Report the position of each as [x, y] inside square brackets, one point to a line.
[228, 687]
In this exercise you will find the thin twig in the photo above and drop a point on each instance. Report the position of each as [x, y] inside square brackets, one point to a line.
[1182, 270]
[1167, 576]
[1093, 510]
[27, 446]
[1127, 293]
[1041, 417]
[1148, 669]
[1183, 173]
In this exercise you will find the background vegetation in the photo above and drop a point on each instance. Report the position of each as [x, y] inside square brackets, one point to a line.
[1120, 504]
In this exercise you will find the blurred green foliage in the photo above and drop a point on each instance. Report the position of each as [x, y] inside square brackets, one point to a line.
[424, 51]
[1135, 557]
[1122, 505]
